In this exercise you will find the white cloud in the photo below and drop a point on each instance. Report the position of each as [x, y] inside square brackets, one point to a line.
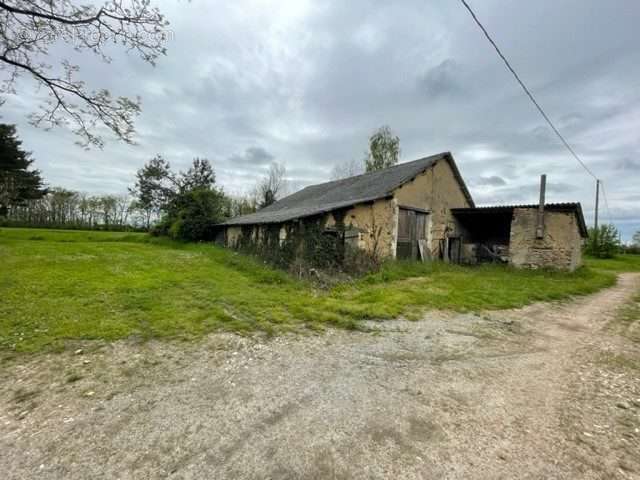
[306, 82]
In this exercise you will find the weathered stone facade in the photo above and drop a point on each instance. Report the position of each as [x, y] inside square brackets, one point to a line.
[509, 234]
[373, 226]
[437, 191]
[561, 246]
[413, 210]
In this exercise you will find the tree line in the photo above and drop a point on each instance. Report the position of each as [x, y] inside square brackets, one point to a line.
[63, 208]
[180, 204]
[26, 200]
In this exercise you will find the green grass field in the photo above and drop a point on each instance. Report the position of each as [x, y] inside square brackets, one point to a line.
[58, 287]
[621, 263]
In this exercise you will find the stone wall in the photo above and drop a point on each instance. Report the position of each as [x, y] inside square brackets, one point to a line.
[438, 191]
[232, 236]
[560, 248]
[374, 225]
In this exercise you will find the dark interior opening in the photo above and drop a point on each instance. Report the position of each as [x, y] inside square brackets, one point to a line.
[485, 227]
[489, 230]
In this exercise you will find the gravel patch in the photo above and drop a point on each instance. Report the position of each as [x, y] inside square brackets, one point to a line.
[498, 395]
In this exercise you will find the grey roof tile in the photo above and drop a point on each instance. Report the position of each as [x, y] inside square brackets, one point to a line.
[325, 197]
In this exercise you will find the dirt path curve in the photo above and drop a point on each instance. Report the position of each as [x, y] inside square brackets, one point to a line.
[499, 395]
[520, 420]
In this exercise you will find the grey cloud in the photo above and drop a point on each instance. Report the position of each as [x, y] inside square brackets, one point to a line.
[443, 80]
[492, 181]
[630, 164]
[560, 187]
[252, 157]
[306, 83]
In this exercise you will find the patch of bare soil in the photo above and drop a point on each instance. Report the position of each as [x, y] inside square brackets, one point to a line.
[548, 391]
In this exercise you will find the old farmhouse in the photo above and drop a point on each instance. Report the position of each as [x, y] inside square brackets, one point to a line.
[421, 210]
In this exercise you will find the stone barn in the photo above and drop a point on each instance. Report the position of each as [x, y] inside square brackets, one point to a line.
[530, 236]
[418, 210]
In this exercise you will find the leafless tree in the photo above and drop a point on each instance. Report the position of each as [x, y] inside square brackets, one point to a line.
[348, 169]
[241, 204]
[66, 208]
[28, 28]
[271, 187]
[123, 209]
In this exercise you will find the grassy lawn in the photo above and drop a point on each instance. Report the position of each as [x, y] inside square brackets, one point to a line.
[621, 263]
[57, 287]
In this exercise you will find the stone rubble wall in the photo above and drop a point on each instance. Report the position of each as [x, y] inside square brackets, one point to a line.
[561, 247]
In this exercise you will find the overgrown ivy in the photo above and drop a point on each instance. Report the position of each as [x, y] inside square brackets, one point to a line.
[307, 244]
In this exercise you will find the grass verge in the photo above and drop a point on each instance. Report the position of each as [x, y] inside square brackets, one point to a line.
[58, 287]
[627, 321]
[618, 264]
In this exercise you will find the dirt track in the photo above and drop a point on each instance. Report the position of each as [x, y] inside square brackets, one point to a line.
[515, 394]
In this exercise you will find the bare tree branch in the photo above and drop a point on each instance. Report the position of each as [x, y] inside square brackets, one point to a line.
[29, 27]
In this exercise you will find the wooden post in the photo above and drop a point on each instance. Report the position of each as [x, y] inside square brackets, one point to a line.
[595, 222]
[543, 187]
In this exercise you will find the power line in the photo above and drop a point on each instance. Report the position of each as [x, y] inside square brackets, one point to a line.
[527, 91]
[606, 202]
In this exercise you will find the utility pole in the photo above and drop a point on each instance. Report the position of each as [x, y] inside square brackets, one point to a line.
[540, 227]
[620, 245]
[595, 222]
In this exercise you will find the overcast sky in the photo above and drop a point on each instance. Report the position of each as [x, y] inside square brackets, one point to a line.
[303, 83]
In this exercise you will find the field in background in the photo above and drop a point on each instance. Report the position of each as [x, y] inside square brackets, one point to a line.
[59, 287]
[621, 263]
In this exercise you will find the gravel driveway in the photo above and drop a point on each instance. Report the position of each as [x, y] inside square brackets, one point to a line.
[513, 394]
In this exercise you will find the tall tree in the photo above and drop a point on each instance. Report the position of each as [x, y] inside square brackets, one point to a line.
[199, 175]
[29, 28]
[196, 205]
[159, 191]
[155, 184]
[272, 185]
[123, 209]
[194, 213]
[109, 204]
[62, 205]
[18, 181]
[384, 150]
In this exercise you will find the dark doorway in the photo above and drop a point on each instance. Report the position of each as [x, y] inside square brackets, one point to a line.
[488, 229]
[455, 249]
[412, 227]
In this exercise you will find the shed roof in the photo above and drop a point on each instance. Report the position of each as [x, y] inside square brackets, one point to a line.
[575, 208]
[329, 196]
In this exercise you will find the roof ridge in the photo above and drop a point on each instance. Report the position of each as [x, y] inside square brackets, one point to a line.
[397, 165]
[437, 156]
[365, 187]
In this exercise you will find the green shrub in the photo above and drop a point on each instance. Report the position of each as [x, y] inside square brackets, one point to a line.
[603, 242]
[193, 214]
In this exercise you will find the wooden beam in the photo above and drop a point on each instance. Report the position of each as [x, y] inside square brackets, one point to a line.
[414, 209]
[543, 187]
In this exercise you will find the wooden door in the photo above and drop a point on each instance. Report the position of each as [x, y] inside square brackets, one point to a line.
[455, 249]
[412, 226]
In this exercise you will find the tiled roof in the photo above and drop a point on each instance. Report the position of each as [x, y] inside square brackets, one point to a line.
[326, 197]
